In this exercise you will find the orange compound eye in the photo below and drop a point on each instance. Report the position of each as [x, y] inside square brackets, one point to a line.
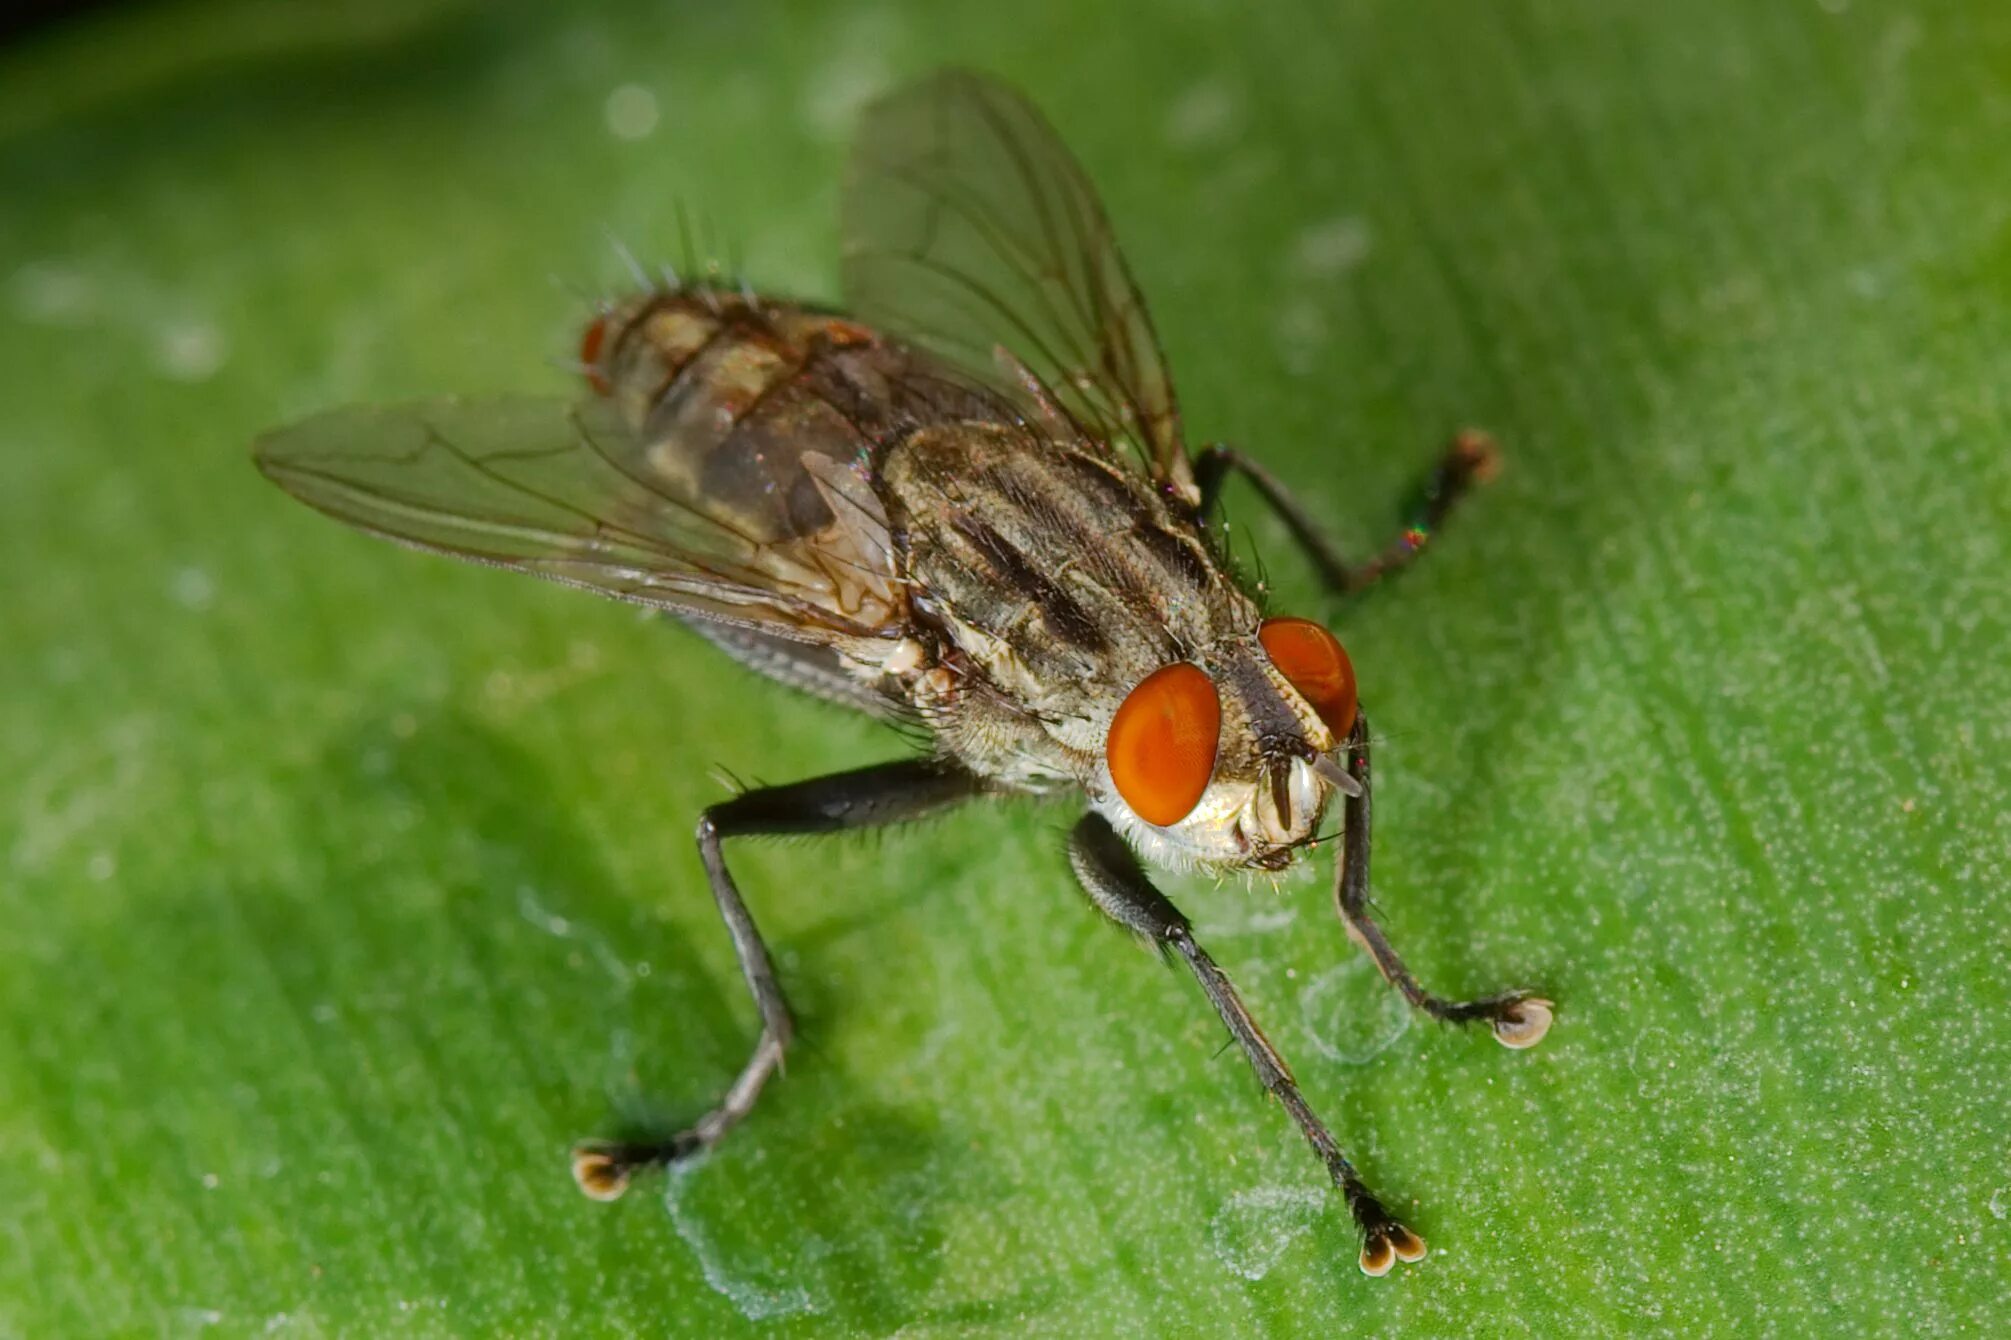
[591, 344]
[1311, 658]
[1161, 745]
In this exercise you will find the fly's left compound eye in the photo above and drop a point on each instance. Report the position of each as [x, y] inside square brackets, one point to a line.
[1312, 659]
[1161, 746]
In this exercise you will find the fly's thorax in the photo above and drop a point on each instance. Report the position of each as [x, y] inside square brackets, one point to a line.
[1056, 578]
[1060, 573]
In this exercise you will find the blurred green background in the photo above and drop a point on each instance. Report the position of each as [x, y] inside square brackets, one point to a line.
[344, 887]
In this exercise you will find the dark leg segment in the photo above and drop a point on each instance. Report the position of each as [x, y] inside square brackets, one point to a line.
[866, 798]
[1471, 458]
[1519, 1019]
[1115, 882]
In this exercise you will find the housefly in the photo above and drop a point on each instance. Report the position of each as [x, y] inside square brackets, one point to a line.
[965, 504]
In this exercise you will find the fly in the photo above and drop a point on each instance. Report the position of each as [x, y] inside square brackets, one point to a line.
[964, 504]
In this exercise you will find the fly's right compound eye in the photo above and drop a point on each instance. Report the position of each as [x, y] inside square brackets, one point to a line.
[1161, 746]
[591, 344]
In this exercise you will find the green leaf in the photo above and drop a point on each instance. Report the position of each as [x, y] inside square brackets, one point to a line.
[344, 888]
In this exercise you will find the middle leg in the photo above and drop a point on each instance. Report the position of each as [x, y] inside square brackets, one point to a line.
[1519, 1018]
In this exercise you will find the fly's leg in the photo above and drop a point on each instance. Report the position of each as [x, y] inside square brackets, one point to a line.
[866, 798]
[1471, 458]
[1111, 875]
[1519, 1018]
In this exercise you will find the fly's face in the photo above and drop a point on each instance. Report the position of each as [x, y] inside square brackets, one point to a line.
[1229, 760]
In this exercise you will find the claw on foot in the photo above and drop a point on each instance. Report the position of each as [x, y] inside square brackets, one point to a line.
[1479, 453]
[601, 1173]
[1388, 1244]
[1524, 1022]
[603, 1168]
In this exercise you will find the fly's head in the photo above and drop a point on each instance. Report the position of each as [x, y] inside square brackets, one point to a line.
[1230, 760]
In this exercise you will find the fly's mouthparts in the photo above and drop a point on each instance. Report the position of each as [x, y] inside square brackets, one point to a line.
[1286, 802]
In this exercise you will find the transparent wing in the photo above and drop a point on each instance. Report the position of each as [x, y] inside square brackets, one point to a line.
[971, 230]
[567, 492]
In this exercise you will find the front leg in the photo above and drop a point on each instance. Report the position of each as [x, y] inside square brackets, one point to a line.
[887, 793]
[1471, 458]
[1115, 882]
[1519, 1018]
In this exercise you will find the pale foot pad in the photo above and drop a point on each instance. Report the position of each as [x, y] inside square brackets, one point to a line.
[599, 1174]
[1387, 1246]
[1529, 1023]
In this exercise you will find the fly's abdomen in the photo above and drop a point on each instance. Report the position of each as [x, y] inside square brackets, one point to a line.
[724, 397]
[761, 420]
[751, 404]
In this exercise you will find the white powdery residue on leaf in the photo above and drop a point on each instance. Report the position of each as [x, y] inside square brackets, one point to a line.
[922, 1061]
[1351, 1016]
[1205, 114]
[1301, 334]
[856, 70]
[513, 690]
[619, 1073]
[1891, 75]
[531, 910]
[1260, 919]
[630, 112]
[192, 588]
[756, 1300]
[74, 793]
[1332, 247]
[52, 293]
[1253, 1228]
[190, 349]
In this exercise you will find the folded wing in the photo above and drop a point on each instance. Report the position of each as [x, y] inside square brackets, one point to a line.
[569, 492]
